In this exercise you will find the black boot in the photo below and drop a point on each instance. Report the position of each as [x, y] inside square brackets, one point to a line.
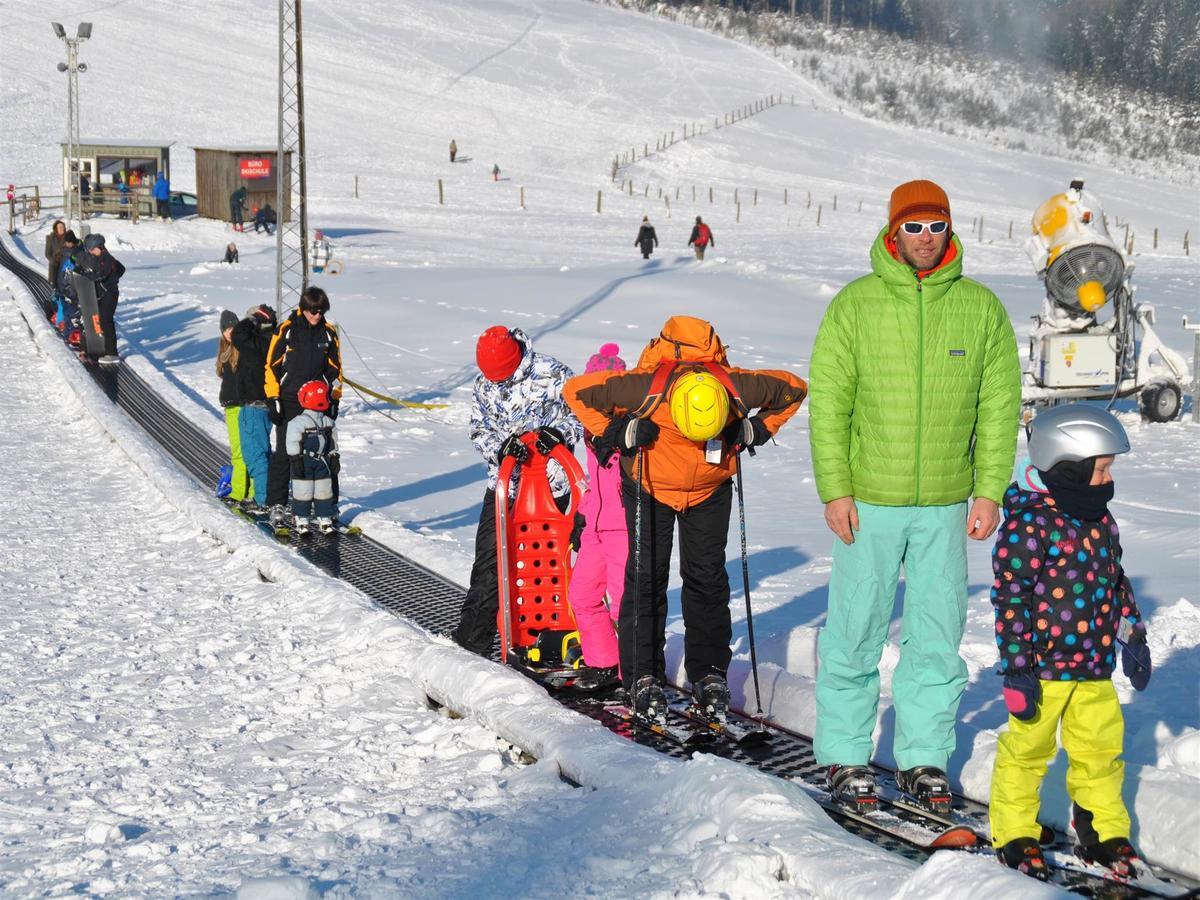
[1024, 855]
[852, 787]
[711, 696]
[649, 701]
[1116, 854]
[928, 786]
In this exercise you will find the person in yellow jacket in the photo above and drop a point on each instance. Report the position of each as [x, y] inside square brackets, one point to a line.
[1064, 608]
[305, 348]
[679, 419]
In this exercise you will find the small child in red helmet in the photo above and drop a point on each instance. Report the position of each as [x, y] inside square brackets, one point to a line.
[313, 455]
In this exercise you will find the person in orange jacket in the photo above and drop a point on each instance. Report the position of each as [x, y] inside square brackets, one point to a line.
[679, 419]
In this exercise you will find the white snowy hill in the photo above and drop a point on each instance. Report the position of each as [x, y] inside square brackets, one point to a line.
[550, 92]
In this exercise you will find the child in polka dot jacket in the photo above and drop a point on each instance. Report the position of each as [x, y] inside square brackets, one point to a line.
[1063, 609]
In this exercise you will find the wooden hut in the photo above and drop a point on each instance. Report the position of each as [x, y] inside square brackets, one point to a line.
[222, 170]
[108, 164]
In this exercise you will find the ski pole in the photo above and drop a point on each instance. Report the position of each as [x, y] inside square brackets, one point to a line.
[746, 585]
[637, 562]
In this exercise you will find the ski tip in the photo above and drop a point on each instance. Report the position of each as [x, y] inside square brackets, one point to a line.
[956, 838]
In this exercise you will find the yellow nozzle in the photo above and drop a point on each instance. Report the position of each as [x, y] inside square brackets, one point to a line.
[1091, 295]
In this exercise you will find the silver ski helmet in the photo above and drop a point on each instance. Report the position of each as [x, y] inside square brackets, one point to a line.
[1073, 433]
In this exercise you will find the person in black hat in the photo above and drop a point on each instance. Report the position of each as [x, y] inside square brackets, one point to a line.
[97, 265]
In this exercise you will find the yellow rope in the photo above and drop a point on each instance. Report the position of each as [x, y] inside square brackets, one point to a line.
[407, 404]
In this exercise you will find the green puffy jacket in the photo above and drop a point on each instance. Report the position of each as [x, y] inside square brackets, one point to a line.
[914, 389]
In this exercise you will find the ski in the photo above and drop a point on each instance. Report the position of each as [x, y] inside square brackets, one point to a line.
[926, 836]
[679, 734]
[727, 728]
[1144, 880]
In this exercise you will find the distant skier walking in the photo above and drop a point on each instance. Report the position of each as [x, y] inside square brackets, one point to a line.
[495, 171]
[453, 149]
[647, 239]
[702, 238]
[237, 208]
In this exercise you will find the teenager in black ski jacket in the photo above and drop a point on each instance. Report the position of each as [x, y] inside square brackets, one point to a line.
[252, 339]
[646, 238]
[97, 265]
[304, 349]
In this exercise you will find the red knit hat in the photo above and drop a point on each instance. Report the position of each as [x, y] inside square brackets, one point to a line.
[917, 201]
[498, 353]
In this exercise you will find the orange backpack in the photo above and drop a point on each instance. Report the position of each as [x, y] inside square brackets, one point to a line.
[684, 345]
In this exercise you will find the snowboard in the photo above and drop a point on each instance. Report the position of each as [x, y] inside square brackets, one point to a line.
[89, 310]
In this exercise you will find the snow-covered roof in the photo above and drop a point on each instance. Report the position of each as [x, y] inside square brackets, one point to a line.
[242, 149]
[114, 142]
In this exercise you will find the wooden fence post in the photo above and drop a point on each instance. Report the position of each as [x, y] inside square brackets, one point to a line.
[1186, 249]
[755, 197]
[676, 192]
[646, 192]
[355, 187]
[522, 198]
[739, 213]
[599, 194]
[710, 196]
[1010, 229]
[1155, 239]
[860, 205]
[785, 196]
[981, 228]
[808, 203]
[441, 194]
[667, 200]
[818, 215]
[735, 195]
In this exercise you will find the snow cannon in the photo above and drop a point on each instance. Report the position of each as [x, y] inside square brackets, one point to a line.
[1073, 252]
[1072, 354]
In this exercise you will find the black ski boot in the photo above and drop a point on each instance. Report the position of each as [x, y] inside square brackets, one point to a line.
[1116, 854]
[591, 678]
[1024, 855]
[649, 701]
[928, 786]
[852, 787]
[711, 697]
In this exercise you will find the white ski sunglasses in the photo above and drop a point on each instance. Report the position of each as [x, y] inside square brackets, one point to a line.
[917, 227]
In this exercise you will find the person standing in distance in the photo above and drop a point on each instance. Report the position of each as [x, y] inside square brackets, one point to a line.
[915, 398]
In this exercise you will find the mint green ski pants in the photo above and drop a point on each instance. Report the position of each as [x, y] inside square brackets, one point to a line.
[930, 541]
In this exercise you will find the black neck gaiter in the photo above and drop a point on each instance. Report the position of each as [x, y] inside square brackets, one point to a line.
[1074, 496]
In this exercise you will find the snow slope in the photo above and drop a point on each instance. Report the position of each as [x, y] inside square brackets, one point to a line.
[551, 92]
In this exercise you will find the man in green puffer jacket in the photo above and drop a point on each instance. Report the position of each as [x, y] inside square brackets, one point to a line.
[915, 395]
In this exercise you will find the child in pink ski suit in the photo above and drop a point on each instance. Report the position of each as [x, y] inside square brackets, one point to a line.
[603, 547]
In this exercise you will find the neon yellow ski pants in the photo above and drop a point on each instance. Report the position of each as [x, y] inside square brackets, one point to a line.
[240, 483]
[1093, 731]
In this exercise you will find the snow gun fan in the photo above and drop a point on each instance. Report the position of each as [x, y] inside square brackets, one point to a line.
[1072, 354]
[537, 628]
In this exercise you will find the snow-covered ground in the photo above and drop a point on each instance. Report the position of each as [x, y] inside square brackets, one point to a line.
[551, 91]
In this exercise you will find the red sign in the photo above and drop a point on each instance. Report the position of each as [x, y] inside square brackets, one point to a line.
[256, 168]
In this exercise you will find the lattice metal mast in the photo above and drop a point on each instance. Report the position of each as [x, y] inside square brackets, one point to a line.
[72, 202]
[291, 195]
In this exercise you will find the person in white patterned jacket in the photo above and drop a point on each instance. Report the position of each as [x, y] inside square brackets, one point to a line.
[517, 391]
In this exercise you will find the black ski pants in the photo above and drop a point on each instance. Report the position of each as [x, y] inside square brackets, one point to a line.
[703, 533]
[279, 469]
[107, 307]
[476, 629]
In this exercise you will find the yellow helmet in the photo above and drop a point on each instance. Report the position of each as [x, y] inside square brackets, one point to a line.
[1091, 296]
[699, 406]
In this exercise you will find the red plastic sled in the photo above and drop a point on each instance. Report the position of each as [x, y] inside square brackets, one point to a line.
[533, 548]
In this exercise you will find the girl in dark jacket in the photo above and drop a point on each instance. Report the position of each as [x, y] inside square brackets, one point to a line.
[54, 250]
[227, 371]
[251, 337]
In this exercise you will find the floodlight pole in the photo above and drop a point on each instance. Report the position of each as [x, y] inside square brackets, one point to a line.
[73, 67]
[291, 183]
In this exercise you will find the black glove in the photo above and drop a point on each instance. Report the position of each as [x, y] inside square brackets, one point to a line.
[577, 530]
[297, 464]
[1135, 662]
[749, 432]
[548, 438]
[1022, 693]
[513, 447]
[274, 411]
[629, 433]
[333, 409]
